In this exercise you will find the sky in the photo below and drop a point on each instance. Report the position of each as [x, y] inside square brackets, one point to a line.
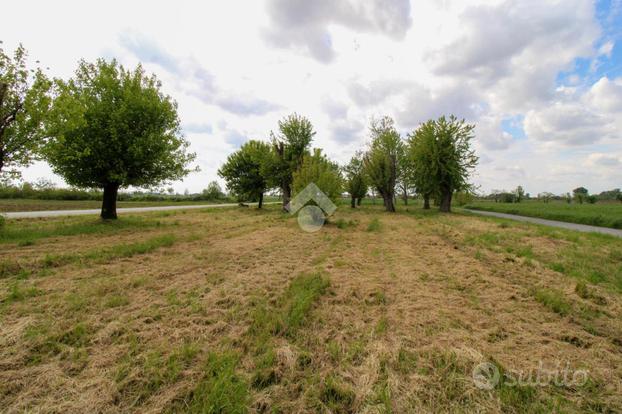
[541, 80]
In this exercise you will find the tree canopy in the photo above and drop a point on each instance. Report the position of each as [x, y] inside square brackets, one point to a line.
[111, 127]
[381, 159]
[24, 101]
[442, 158]
[290, 145]
[355, 179]
[317, 168]
[244, 171]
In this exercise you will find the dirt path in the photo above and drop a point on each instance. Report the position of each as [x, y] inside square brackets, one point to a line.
[562, 224]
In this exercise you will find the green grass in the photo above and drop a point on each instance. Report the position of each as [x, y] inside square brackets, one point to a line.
[24, 204]
[374, 225]
[599, 214]
[221, 390]
[554, 300]
[26, 232]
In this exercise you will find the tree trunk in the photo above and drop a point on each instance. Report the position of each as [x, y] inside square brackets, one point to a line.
[353, 203]
[446, 201]
[287, 194]
[388, 203]
[260, 200]
[405, 197]
[109, 203]
[426, 201]
[358, 201]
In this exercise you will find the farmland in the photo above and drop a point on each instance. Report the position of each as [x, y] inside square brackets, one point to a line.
[238, 310]
[600, 214]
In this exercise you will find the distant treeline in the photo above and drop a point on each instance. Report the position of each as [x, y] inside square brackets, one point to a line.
[579, 195]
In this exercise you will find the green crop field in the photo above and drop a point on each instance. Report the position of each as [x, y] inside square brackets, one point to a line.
[599, 214]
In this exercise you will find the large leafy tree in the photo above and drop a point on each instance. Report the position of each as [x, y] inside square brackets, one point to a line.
[111, 127]
[318, 169]
[355, 179]
[290, 145]
[443, 158]
[244, 171]
[421, 163]
[381, 159]
[24, 101]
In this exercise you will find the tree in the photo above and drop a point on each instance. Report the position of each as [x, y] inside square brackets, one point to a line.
[110, 127]
[289, 148]
[24, 101]
[381, 159]
[580, 194]
[421, 162]
[519, 194]
[443, 158]
[546, 196]
[568, 198]
[213, 192]
[355, 180]
[318, 169]
[244, 171]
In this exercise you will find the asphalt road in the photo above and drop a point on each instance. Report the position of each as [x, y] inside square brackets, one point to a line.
[562, 224]
[58, 213]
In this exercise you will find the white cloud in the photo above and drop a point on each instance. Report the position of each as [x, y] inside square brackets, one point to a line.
[302, 24]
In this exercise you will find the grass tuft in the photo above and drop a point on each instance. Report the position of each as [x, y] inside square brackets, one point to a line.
[554, 300]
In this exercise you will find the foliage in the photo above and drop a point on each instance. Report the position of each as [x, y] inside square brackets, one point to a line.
[24, 101]
[111, 127]
[442, 158]
[580, 194]
[318, 169]
[519, 194]
[381, 159]
[244, 171]
[213, 192]
[463, 198]
[355, 179]
[290, 146]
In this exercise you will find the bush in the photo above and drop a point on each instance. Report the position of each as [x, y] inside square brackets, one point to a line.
[463, 198]
[2, 220]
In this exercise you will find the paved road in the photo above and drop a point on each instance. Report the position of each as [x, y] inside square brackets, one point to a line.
[553, 223]
[57, 213]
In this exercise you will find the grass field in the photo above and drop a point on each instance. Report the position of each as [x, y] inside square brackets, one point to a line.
[22, 204]
[236, 310]
[599, 214]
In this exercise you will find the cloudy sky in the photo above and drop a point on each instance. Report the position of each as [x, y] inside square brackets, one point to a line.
[541, 79]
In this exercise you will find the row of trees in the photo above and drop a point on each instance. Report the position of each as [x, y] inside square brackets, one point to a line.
[434, 161]
[109, 127]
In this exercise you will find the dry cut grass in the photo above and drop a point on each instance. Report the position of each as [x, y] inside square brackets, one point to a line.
[237, 310]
